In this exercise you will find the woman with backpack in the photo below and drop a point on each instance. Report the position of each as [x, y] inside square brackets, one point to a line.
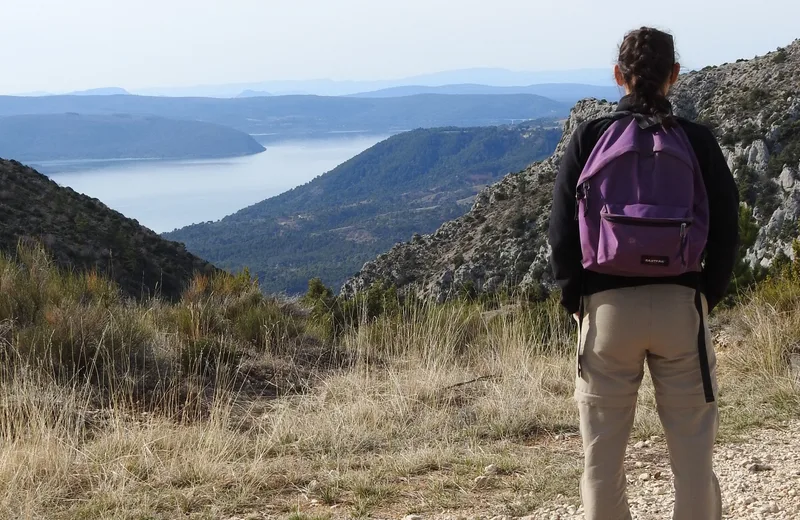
[644, 232]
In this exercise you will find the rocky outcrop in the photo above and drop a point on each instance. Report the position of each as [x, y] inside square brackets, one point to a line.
[501, 244]
[754, 108]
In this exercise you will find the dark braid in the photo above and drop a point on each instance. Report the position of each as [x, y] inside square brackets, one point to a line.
[646, 59]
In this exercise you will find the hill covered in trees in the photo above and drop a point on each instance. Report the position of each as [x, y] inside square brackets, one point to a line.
[46, 137]
[407, 184]
[82, 234]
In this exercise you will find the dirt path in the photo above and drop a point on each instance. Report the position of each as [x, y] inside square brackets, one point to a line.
[760, 478]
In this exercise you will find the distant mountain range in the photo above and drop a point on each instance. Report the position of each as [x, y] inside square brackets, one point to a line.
[253, 93]
[107, 91]
[328, 87]
[49, 137]
[409, 183]
[563, 92]
[306, 115]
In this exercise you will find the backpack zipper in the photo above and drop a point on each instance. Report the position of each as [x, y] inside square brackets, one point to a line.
[649, 222]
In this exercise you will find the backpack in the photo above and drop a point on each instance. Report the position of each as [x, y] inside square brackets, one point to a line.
[642, 204]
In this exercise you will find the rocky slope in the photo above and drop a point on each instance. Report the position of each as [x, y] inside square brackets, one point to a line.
[82, 233]
[501, 244]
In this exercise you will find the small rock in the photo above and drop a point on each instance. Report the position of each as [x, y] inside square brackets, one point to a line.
[758, 468]
[483, 481]
[639, 445]
[644, 477]
[491, 469]
[639, 464]
[412, 517]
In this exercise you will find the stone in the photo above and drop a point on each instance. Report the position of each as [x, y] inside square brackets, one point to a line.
[758, 468]
[483, 482]
[644, 477]
[787, 179]
[491, 469]
[412, 517]
[758, 156]
[639, 445]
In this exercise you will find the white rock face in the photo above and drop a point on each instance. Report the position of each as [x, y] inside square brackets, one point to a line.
[758, 156]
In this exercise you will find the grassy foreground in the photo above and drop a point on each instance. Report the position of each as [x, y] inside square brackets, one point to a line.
[229, 404]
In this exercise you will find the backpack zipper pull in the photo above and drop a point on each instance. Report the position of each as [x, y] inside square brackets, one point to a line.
[580, 194]
[586, 195]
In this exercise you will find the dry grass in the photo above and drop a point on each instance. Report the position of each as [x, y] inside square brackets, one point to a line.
[264, 418]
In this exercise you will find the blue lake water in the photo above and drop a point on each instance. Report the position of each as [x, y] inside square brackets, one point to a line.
[165, 195]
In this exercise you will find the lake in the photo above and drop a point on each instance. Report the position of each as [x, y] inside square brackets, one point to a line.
[165, 195]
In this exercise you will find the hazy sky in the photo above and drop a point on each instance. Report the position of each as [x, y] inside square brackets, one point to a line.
[61, 45]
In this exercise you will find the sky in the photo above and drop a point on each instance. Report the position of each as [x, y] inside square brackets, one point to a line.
[64, 45]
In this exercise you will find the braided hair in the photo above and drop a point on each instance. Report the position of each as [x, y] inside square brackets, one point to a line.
[646, 60]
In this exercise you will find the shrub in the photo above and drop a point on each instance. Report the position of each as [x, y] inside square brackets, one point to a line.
[206, 356]
[87, 340]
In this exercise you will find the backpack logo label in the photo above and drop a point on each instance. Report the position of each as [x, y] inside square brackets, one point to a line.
[658, 261]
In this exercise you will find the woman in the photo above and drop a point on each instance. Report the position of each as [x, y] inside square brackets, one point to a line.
[644, 231]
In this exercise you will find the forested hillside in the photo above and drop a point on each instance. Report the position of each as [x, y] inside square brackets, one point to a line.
[408, 184]
[82, 234]
[47, 137]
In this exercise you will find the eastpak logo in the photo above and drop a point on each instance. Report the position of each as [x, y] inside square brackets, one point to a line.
[656, 261]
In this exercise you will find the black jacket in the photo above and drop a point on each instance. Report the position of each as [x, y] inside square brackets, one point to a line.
[723, 236]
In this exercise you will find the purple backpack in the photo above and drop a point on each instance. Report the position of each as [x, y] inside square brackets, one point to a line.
[642, 203]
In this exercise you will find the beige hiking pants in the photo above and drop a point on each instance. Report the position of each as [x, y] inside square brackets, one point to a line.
[622, 329]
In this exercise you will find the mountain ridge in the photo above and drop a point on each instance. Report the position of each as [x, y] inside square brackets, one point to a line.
[82, 233]
[562, 92]
[332, 87]
[304, 115]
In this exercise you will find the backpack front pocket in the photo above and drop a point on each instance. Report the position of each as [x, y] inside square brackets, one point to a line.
[644, 240]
